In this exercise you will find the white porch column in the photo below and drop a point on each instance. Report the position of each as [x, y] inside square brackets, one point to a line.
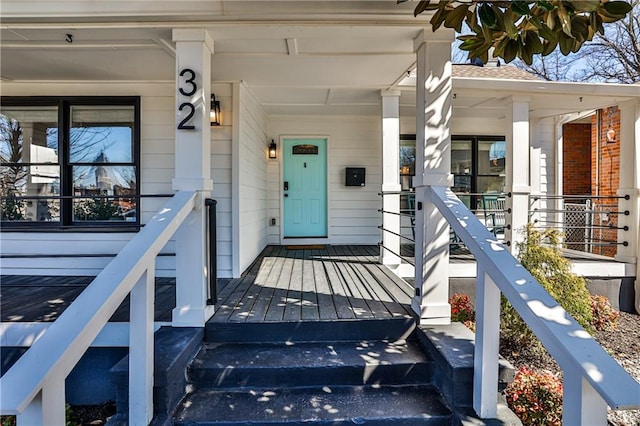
[630, 185]
[433, 168]
[390, 177]
[517, 170]
[193, 172]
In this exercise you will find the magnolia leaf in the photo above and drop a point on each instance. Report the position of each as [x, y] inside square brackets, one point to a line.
[520, 7]
[565, 19]
[422, 6]
[566, 43]
[549, 46]
[546, 5]
[580, 27]
[509, 24]
[532, 42]
[510, 50]
[455, 17]
[438, 18]
[546, 33]
[617, 8]
[596, 23]
[586, 5]
[487, 15]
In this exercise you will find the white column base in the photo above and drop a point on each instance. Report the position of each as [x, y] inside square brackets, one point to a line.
[191, 317]
[432, 314]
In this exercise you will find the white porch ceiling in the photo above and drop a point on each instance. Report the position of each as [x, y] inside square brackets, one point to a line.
[298, 57]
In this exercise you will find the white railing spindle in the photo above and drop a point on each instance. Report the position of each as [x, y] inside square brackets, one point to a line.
[33, 389]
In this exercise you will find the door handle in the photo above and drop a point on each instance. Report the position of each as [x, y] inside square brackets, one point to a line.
[286, 186]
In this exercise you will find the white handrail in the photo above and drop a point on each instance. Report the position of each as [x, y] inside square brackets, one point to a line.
[585, 363]
[53, 356]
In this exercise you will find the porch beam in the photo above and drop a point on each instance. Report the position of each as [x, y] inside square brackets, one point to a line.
[630, 185]
[433, 168]
[391, 218]
[194, 48]
[517, 169]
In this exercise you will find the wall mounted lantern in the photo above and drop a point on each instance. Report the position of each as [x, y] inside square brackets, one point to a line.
[272, 149]
[611, 135]
[214, 114]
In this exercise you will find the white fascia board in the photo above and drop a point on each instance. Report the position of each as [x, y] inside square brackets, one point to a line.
[547, 87]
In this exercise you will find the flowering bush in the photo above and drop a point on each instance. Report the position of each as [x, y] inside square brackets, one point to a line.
[605, 318]
[461, 310]
[536, 397]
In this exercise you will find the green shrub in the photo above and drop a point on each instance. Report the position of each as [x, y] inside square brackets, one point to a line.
[605, 318]
[536, 397]
[540, 254]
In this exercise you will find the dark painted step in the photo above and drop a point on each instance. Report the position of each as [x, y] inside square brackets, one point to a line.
[308, 364]
[371, 405]
[315, 331]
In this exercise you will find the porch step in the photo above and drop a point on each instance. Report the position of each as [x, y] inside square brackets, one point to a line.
[310, 364]
[310, 331]
[288, 383]
[371, 405]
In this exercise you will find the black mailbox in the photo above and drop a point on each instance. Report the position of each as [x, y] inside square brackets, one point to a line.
[354, 176]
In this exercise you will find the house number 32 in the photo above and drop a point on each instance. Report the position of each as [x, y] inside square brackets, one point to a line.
[188, 87]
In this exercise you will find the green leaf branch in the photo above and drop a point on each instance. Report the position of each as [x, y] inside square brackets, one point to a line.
[521, 28]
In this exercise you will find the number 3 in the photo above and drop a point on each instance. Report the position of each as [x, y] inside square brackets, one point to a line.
[190, 81]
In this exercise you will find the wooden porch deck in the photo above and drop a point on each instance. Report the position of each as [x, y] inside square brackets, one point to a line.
[282, 284]
[334, 282]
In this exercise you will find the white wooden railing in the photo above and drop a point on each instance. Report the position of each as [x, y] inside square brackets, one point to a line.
[33, 389]
[591, 378]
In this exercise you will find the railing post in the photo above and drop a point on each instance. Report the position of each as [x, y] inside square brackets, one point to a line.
[581, 404]
[433, 169]
[48, 407]
[141, 349]
[485, 361]
[391, 218]
[517, 170]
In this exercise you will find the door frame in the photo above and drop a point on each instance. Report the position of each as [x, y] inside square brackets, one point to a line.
[294, 240]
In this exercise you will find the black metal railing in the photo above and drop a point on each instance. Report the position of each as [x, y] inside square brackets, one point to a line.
[407, 214]
[588, 223]
[212, 225]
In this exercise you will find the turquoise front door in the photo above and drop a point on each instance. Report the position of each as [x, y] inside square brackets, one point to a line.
[305, 187]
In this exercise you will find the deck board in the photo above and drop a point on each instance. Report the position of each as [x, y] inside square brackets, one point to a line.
[333, 283]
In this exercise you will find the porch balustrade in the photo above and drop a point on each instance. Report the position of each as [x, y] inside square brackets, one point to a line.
[34, 388]
[588, 223]
[592, 379]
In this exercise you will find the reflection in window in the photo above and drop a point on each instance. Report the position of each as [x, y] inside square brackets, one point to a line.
[30, 167]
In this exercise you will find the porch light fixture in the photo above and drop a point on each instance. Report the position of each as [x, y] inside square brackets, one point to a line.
[272, 149]
[611, 133]
[214, 114]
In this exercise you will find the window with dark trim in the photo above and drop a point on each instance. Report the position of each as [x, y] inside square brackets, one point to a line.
[477, 165]
[69, 162]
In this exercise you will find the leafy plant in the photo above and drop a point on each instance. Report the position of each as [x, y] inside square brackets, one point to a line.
[69, 415]
[461, 309]
[523, 28]
[95, 209]
[540, 254]
[11, 207]
[536, 397]
[605, 318]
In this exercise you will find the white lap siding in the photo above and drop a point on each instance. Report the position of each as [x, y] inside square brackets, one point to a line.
[45, 253]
